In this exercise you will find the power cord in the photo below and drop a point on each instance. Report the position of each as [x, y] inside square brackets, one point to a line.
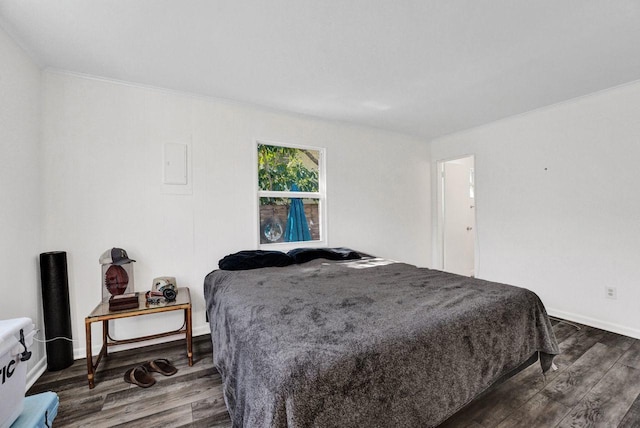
[55, 338]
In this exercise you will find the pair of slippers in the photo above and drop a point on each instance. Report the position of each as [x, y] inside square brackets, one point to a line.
[141, 375]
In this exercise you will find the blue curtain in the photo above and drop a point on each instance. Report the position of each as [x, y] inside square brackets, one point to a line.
[297, 228]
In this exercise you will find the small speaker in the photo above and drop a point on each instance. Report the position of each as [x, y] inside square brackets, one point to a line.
[57, 311]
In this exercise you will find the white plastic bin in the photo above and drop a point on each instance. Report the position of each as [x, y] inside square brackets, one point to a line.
[14, 353]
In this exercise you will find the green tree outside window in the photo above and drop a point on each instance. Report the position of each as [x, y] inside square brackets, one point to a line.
[279, 168]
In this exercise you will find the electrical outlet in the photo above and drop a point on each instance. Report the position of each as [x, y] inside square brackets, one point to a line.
[610, 293]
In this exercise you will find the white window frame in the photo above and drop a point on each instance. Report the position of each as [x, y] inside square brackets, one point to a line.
[321, 195]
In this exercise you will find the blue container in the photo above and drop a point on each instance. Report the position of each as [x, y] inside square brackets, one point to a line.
[39, 411]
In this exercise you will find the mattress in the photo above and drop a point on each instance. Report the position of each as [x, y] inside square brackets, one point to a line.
[369, 342]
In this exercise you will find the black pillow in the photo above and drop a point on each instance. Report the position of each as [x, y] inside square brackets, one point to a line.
[254, 259]
[303, 255]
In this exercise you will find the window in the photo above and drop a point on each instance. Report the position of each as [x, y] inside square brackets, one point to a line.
[291, 194]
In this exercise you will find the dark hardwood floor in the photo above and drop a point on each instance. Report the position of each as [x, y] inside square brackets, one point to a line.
[190, 398]
[597, 384]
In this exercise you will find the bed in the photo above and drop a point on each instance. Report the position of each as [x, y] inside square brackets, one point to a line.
[365, 343]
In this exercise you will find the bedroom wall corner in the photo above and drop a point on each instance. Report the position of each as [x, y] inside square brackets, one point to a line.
[20, 217]
[556, 205]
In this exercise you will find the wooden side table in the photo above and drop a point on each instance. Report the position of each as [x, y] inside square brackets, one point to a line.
[102, 313]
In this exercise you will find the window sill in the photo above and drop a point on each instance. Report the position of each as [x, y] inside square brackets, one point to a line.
[287, 246]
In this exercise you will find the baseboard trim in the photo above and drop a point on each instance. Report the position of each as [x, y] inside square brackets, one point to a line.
[36, 371]
[594, 322]
[79, 353]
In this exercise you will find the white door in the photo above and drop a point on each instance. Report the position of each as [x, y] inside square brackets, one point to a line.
[458, 217]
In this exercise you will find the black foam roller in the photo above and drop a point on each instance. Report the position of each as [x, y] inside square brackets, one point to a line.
[57, 311]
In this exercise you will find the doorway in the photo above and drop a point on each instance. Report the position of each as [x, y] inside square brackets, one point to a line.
[457, 215]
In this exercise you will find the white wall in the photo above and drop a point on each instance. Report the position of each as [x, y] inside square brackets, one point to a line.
[558, 206]
[20, 187]
[102, 145]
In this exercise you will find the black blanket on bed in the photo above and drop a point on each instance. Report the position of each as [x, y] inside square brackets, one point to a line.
[367, 343]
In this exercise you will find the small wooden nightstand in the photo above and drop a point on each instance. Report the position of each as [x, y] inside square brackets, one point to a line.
[102, 313]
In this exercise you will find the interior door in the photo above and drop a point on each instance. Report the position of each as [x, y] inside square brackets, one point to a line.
[458, 217]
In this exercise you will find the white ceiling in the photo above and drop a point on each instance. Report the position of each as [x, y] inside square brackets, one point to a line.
[422, 67]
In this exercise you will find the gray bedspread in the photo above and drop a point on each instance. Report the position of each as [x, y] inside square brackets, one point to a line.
[366, 343]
